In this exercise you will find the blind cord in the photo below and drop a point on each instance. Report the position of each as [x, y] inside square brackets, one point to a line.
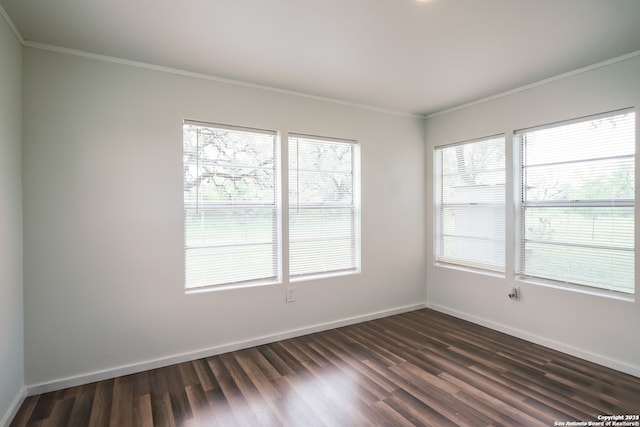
[297, 175]
[198, 171]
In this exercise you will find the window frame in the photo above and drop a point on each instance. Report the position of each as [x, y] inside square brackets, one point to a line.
[280, 207]
[275, 206]
[354, 207]
[440, 259]
[521, 206]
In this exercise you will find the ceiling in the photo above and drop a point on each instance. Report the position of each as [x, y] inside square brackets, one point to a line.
[407, 56]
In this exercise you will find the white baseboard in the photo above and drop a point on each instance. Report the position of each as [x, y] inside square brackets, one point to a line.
[13, 408]
[211, 351]
[537, 339]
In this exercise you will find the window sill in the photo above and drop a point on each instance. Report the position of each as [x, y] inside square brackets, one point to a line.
[230, 286]
[323, 275]
[474, 270]
[587, 290]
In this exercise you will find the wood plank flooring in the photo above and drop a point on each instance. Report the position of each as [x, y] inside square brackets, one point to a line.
[414, 369]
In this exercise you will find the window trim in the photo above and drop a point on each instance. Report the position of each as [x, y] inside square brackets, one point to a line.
[519, 230]
[437, 226]
[276, 207]
[355, 206]
[281, 209]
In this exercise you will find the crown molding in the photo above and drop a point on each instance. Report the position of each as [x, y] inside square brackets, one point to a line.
[210, 77]
[562, 76]
[11, 25]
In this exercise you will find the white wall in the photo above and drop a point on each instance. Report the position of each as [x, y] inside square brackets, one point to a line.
[598, 328]
[11, 307]
[103, 218]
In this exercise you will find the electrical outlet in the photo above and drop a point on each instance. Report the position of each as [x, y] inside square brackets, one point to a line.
[291, 293]
[514, 293]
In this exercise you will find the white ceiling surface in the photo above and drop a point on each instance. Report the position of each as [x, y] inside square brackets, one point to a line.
[407, 56]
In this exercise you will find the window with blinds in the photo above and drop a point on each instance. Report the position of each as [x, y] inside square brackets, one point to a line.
[470, 204]
[324, 208]
[230, 205]
[577, 201]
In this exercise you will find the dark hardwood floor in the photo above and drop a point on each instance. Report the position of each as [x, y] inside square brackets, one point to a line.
[413, 369]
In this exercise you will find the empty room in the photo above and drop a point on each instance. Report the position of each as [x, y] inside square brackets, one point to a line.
[329, 213]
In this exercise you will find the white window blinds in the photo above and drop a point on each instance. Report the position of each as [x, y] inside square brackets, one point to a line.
[577, 201]
[230, 205]
[470, 204]
[324, 211]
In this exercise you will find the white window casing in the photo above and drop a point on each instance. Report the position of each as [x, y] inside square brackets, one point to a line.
[231, 224]
[577, 198]
[470, 204]
[324, 206]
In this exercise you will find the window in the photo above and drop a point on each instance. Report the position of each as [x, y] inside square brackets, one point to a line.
[232, 214]
[230, 205]
[577, 201]
[324, 209]
[470, 204]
